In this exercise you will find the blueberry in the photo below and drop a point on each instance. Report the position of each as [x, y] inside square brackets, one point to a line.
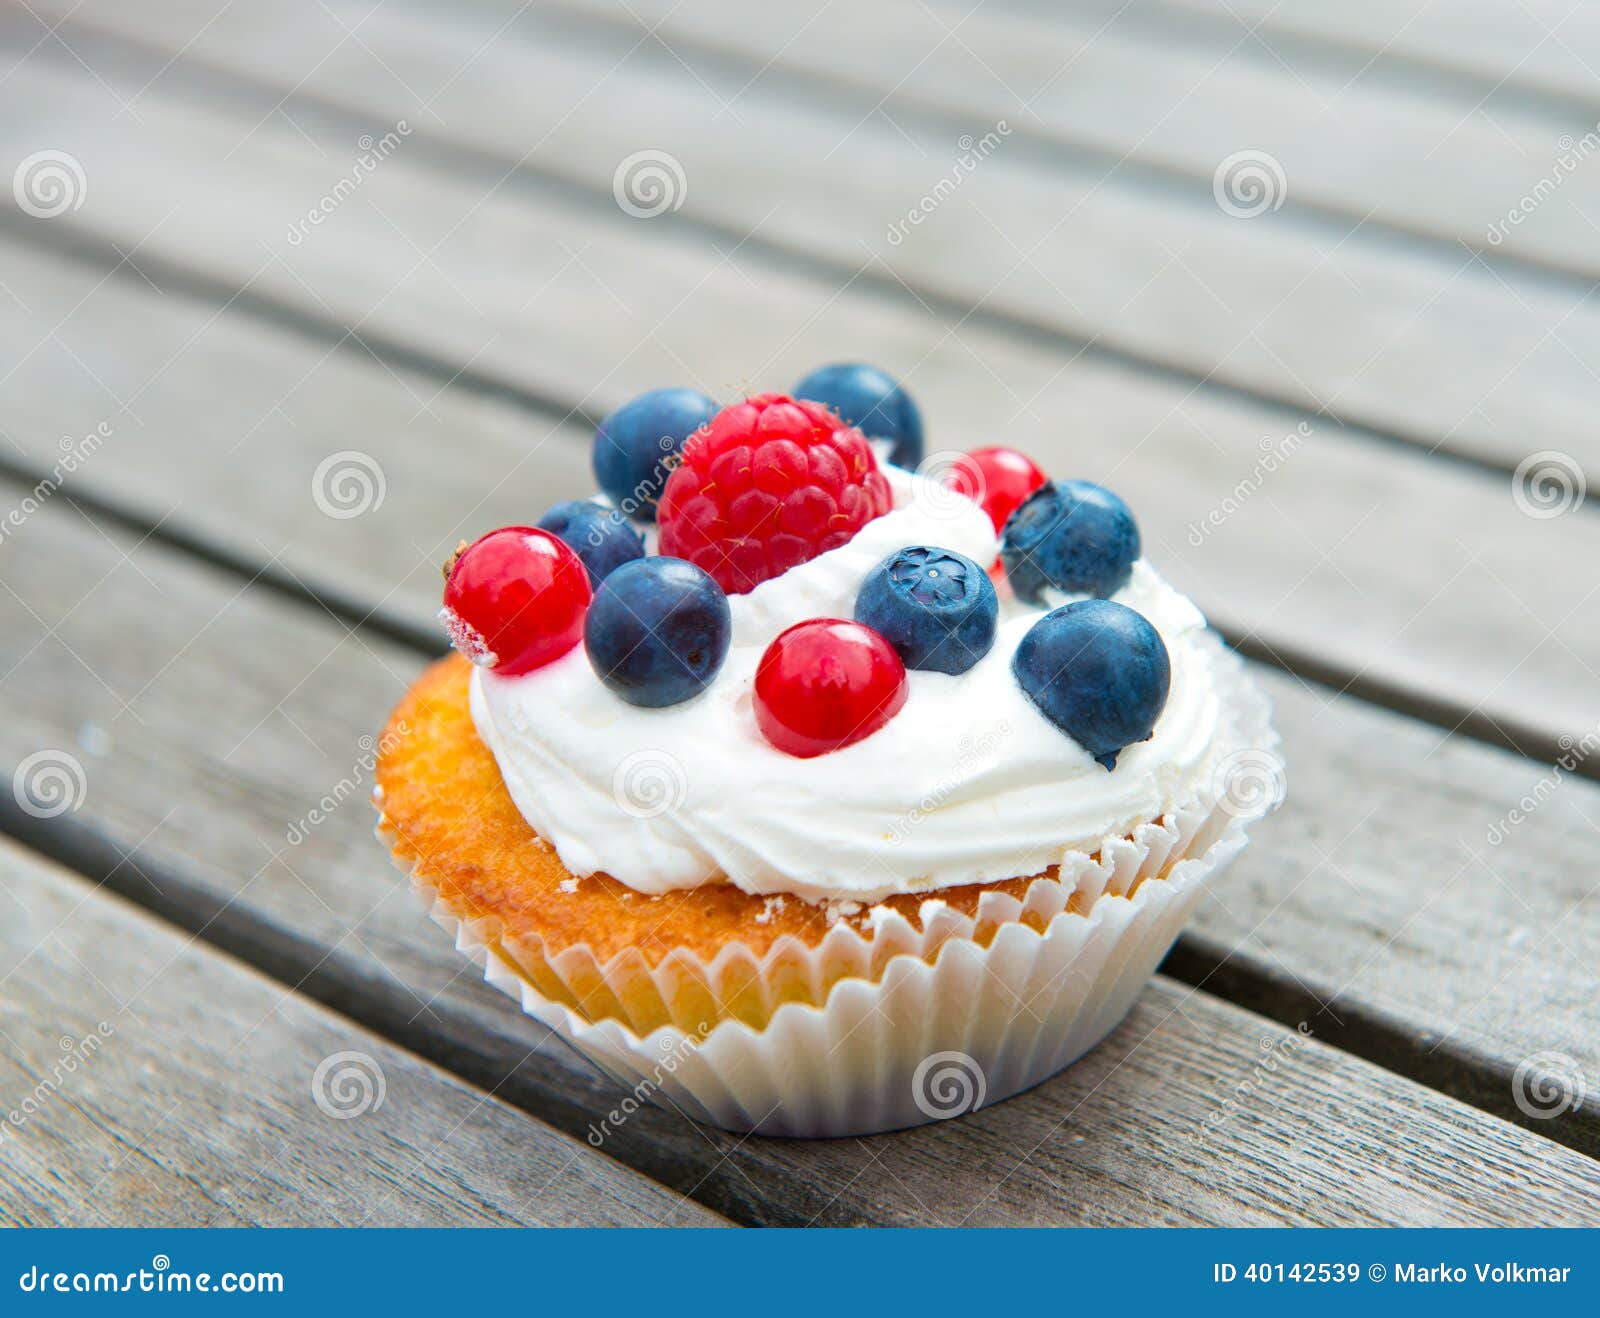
[872, 402]
[1073, 535]
[936, 607]
[634, 446]
[657, 631]
[599, 536]
[1098, 671]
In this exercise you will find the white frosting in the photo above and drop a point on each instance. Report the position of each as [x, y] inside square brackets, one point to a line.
[968, 783]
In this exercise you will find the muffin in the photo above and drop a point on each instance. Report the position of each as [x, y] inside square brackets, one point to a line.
[811, 795]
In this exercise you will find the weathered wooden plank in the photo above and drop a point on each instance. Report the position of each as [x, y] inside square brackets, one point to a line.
[1419, 340]
[1183, 1116]
[151, 1081]
[1384, 567]
[217, 426]
[1433, 158]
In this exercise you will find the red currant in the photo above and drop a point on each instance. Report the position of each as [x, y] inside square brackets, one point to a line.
[998, 478]
[515, 599]
[826, 683]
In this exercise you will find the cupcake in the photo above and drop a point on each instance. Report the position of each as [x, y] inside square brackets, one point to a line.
[809, 794]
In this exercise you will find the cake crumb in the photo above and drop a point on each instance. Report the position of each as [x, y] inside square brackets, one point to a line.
[770, 907]
[569, 885]
[839, 910]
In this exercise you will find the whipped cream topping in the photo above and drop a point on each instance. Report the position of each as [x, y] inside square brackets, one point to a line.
[968, 783]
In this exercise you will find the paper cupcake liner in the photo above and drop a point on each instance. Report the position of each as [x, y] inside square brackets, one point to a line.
[905, 1025]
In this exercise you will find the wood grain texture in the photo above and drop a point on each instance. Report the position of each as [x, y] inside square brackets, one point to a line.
[1172, 1120]
[1421, 340]
[148, 1080]
[1136, 88]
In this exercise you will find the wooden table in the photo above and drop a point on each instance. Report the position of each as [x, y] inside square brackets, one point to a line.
[398, 241]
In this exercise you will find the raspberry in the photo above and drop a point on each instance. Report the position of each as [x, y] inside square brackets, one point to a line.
[768, 485]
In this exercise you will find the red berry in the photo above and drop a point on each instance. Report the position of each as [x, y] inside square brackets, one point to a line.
[515, 599]
[826, 683]
[998, 478]
[768, 484]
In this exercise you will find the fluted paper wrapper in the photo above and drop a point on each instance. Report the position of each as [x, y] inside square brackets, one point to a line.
[961, 1013]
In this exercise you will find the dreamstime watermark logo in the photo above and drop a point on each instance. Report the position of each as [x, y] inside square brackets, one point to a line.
[74, 453]
[49, 783]
[347, 484]
[650, 183]
[1547, 1085]
[647, 493]
[947, 1085]
[974, 151]
[1572, 154]
[602, 528]
[1274, 1050]
[159, 1278]
[675, 1050]
[348, 1084]
[75, 1053]
[649, 783]
[972, 753]
[48, 184]
[373, 153]
[1249, 782]
[1573, 753]
[1275, 451]
[1547, 484]
[951, 484]
[371, 752]
[1249, 183]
